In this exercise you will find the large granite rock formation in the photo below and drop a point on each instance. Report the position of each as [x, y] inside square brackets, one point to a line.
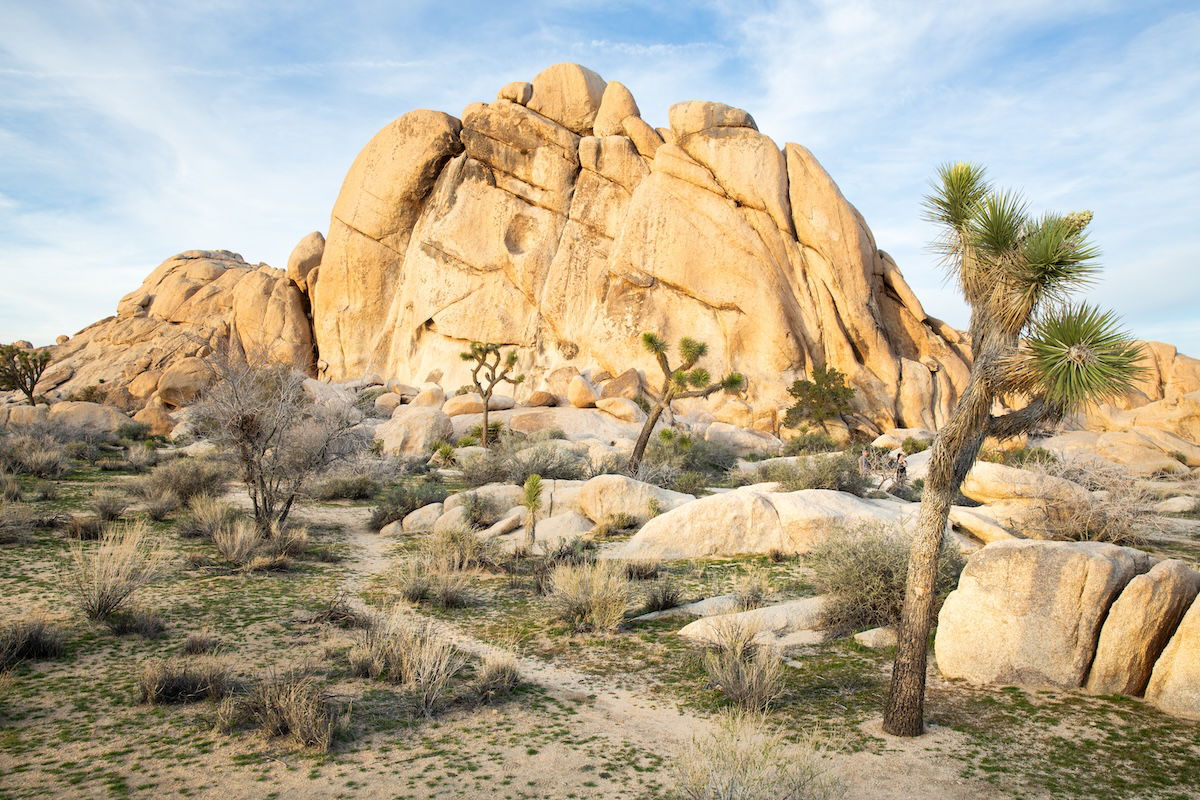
[555, 219]
[191, 303]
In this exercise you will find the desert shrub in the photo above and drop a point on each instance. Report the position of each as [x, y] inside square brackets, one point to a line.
[133, 431]
[420, 580]
[862, 571]
[102, 578]
[46, 491]
[109, 506]
[343, 487]
[685, 453]
[411, 652]
[479, 510]
[30, 638]
[338, 611]
[1116, 508]
[743, 759]
[141, 458]
[289, 704]
[912, 445]
[186, 478]
[200, 643]
[690, 482]
[85, 529]
[495, 429]
[184, 680]
[1018, 456]
[642, 569]
[83, 451]
[661, 595]
[749, 674]
[590, 597]
[400, 500]
[237, 542]
[10, 489]
[137, 622]
[513, 458]
[33, 454]
[548, 557]
[751, 589]
[205, 515]
[497, 677]
[160, 506]
[810, 442]
[617, 524]
[457, 549]
[837, 472]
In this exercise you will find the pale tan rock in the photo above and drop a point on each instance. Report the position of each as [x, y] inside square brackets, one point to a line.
[607, 495]
[616, 104]
[575, 423]
[568, 94]
[1139, 625]
[304, 258]
[742, 440]
[145, 384]
[1177, 505]
[553, 530]
[1175, 683]
[388, 402]
[432, 397]
[499, 496]
[696, 116]
[988, 482]
[421, 520]
[87, 416]
[1028, 613]
[877, 638]
[470, 403]
[582, 393]
[559, 379]
[62, 339]
[771, 624]
[541, 399]
[622, 408]
[748, 166]
[644, 138]
[160, 421]
[518, 92]
[413, 430]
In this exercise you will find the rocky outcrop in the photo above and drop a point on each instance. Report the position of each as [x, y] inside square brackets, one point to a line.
[556, 220]
[1175, 683]
[190, 304]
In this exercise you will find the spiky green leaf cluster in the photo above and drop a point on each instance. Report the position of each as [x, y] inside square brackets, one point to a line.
[654, 343]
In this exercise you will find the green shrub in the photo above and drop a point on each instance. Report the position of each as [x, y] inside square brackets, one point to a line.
[863, 570]
[185, 478]
[686, 453]
[810, 442]
[344, 487]
[1019, 457]
[133, 431]
[498, 676]
[400, 500]
[837, 472]
[513, 458]
[661, 595]
[912, 445]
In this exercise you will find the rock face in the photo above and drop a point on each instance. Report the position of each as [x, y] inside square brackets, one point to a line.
[189, 304]
[1028, 613]
[556, 220]
[1175, 684]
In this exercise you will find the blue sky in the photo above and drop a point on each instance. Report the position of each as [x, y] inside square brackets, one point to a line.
[130, 131]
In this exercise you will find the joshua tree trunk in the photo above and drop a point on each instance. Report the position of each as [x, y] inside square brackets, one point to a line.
[954, 451]
[639, 449]
[483, 429]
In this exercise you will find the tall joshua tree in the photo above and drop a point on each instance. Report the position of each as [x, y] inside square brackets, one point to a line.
[686, 380]
[1029, 342]
[20, 369]
[491, 369]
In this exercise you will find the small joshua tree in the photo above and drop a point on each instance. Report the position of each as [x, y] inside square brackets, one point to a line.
[686, 380]
[1016, 271]
[21, 369]
[819, 400]
[532, 500]
[490, 370]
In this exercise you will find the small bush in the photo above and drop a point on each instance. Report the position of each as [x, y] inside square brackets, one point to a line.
[104, 577]
[184, 680]
[186, 478]
[590, 597]
[810, 442]
[743, 759]
[459, 549]
[662, 595]
[85, 529]
[339, 612]
[479, 511]
[10, 490]
[290, 704]
[751, 589]
[644, 569]
[912, 445]
[34, 637]
[1019, 456]
[401, 500]
[141, 458]
[109, 506]
[238, 542]
[837, 472]
[344, 487]
[513, 457]
[411, 652]
[619, 524]
[674, 453]
[133, 431]
[161, 506]
[420, 581]
[863, 570]
[497, 677]
[1116, 509]
[137, 622]
[204, 517]
[45, 462]
[200, 643]
[748, 674]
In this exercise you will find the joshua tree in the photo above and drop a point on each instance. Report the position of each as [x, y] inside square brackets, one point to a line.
[823, 398]
[1016, 272]
[21, 369]
[532, 500]
[686, 380]
[490, 370]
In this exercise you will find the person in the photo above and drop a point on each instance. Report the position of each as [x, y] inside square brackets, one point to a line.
[901, 469]
[864, 463]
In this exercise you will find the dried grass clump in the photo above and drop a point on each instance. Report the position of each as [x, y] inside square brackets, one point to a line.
[205, 515]
[423, 580]
[33, 637]
[751, 589]
[411, 652]
[642, 569]
[103, 577]
[458, 549]
[618, 524]
[339, 612]
[186, 478]
[749, 674]
[136, 621]
[838, 472]
[109, 506]
[344, 487]
[291, 704]
[662, 595]
[10, 490]
[238, 541]
[200, 643]
[498, 676]
[184, 680]
[862, 571]
[744, 759]
[1118, 508]
[161, 505]
[85, 529]
[38, 454]
[590, 596]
